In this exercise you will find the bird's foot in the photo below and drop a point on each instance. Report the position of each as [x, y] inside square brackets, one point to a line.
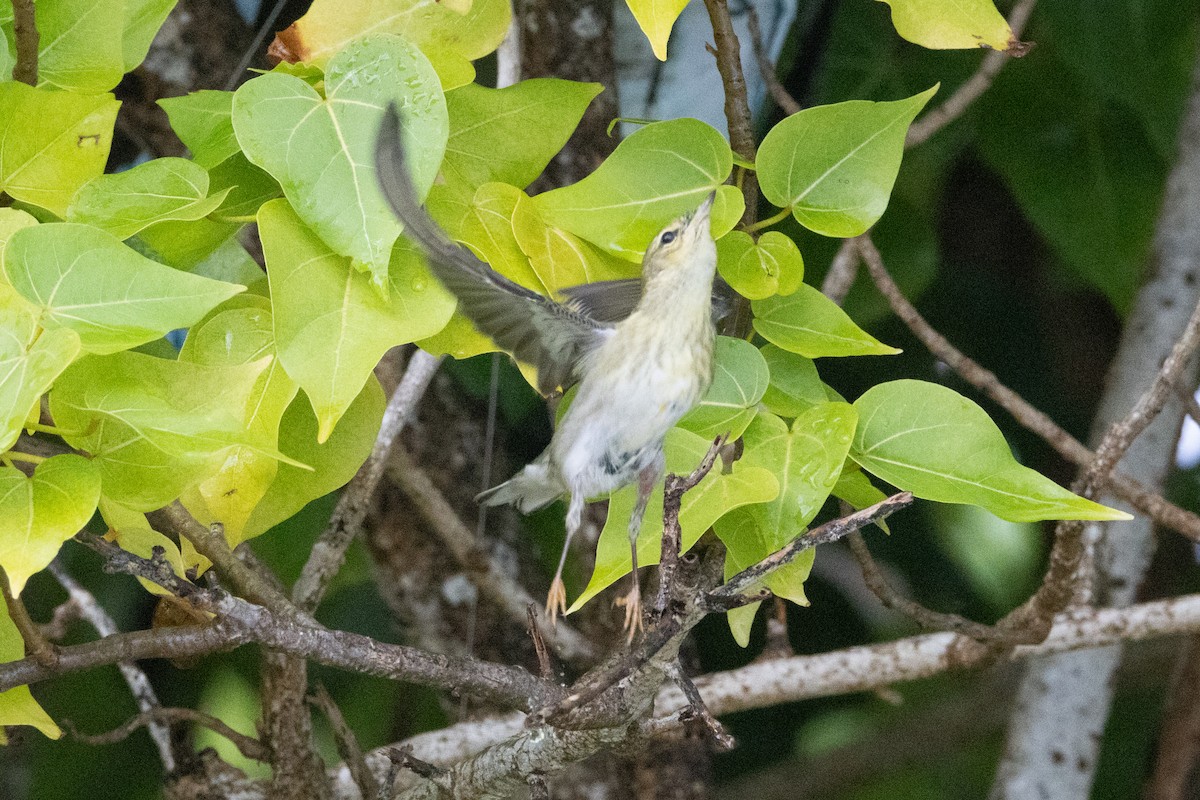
[556, 600]
[632, 603]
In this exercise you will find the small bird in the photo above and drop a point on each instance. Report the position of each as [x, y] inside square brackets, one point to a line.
[641, 352]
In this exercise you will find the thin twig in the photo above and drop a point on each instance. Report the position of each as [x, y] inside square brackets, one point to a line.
[36, 645]
[210, 542]
[1037, 613]
[493, 581]
[347, 743]
[842, 272]
[697, 711]
[139, 684]
[248, 746]
[1126, 488]
[766, 69]
[330, 549]
[674, 489]
[25, 32]
[741, 134]
[926, 618]
[831, 531]
[539, 642]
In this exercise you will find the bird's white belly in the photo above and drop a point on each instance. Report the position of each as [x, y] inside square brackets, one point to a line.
[616, 425]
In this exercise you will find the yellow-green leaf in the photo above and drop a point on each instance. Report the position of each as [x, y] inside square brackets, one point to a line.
[656, 18]
[951, 24]
[331, 325]
[810, 324]
[930, 440]
[39, 513]
[17, 706]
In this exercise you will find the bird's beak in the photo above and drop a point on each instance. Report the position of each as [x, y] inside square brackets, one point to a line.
[706, 207]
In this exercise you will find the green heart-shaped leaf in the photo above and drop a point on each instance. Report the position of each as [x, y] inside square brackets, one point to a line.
[834, 165]
[51, 143]
[17, 706]
[30, 360]
[757, 270]
[654, 176]
[333, 462]
[152, 425]
[739, 380]
[809, 323]
[204, 122]
[561, 259]
[240, 332]
[85, 279]
[321, 149]
[931, 441]
[795, 385]
[159, 190]
[38, 514]
[451, 35]
[509, 135]
[80, 44]
[331, 326]
[656, 18]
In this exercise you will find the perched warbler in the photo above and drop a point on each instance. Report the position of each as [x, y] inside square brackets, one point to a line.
[641, 352]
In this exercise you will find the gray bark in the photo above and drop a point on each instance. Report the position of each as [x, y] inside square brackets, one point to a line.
[1063, 701]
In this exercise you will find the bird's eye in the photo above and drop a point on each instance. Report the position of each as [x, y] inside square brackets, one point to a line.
[668, 237]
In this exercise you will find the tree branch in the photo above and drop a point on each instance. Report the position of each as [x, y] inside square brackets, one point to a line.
[25, 32]
[495, 583]
[1123, 486]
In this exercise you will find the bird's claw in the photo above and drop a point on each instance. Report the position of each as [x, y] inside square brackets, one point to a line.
[632, 603]
[556, 600]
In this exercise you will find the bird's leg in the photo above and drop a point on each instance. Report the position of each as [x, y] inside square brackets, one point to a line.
[632, 601]
[556, 600]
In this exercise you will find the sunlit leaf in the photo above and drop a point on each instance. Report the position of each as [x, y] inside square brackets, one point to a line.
[656, 18]
[951, 24]
[152, 425]
[810, 324]
[17, 706]
[331, 325]
[131, 531]
[80, 44]
[51, 143]
[39, 513]
[561, 259]
[757, 270]
[333, 463]
[654, 176]
[204, 122]
[716, 495]
[834, 165]
[158, 190]
[450, 39]
[143, 18]
[321, 149]
[931, 441]
[739, 380]
[240, 333]
[87, 280]
[30, 360]
[509, 135]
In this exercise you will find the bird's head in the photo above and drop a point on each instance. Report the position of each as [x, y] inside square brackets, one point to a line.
[681, 243]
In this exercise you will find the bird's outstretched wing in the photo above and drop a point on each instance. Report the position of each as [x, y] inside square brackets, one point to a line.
[551, 336]
[614, 300]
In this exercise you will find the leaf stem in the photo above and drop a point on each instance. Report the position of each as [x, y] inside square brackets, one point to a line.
[769, 221]
[14, 455]
[53, 430]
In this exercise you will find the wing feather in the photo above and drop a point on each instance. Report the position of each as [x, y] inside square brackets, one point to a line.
[535, 329]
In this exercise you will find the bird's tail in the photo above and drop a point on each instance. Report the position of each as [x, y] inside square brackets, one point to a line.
[530, 489]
